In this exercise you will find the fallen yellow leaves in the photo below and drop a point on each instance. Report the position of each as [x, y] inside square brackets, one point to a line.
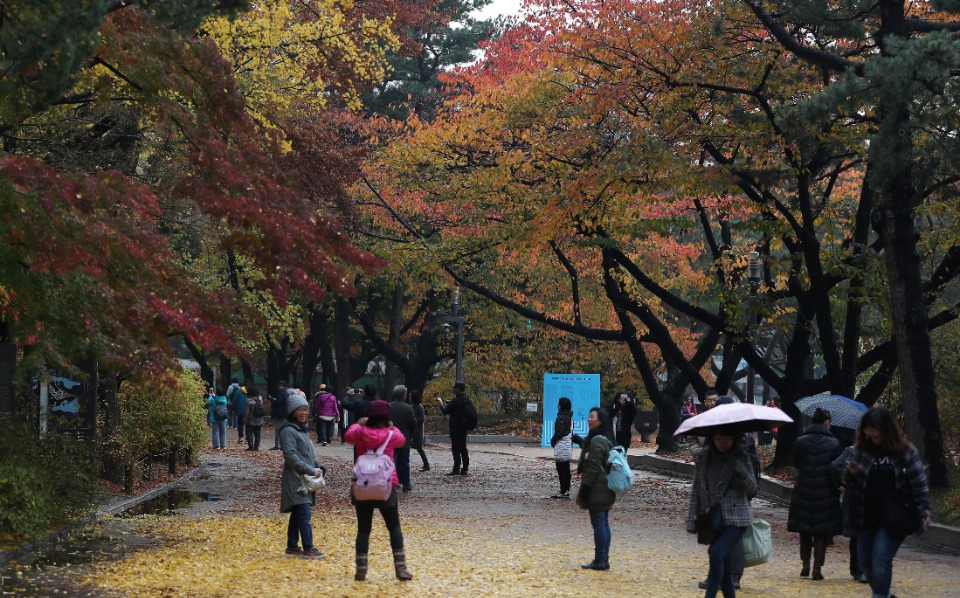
[243, 556]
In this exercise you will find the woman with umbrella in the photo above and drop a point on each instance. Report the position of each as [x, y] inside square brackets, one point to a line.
[815, 501]
[723, 479]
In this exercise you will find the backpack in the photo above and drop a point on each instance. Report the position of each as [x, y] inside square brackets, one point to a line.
[258, 410]
[373, 474]
[470, 418]
[619, 478]
[220, 411]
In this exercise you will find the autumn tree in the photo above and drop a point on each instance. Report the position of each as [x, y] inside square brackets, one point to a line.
[654, 145]
[98, 261]
[896, 74]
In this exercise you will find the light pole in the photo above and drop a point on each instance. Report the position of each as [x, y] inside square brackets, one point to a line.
[753, 278]
[457, 319]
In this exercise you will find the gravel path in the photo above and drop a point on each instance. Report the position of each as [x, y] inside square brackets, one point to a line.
[493, 532]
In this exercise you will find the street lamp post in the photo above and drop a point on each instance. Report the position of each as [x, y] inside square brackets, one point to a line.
[753, 277]
[457, 319]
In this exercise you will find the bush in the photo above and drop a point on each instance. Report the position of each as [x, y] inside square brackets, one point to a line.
[44, 483]
[158, 415]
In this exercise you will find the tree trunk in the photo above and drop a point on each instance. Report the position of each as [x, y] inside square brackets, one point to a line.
[892, 154]
[341, 343]
[226, 372]
[396, 322]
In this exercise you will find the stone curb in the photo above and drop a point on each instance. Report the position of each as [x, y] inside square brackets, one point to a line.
[35, 545]
[482, 439]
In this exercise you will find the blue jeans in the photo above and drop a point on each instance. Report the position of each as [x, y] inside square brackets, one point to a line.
[299, 527]
[721, 561]
[219, 434]
[401, 457]
[601, 535]
[877, 549]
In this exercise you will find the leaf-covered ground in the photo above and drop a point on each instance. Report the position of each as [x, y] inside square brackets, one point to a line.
[492, 533]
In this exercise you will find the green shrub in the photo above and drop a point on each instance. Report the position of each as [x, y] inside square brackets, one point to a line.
[159, 414]
[44, 483]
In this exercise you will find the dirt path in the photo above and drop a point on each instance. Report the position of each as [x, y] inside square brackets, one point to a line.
[490, 533]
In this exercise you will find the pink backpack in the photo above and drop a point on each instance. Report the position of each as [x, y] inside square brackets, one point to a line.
[373, 474]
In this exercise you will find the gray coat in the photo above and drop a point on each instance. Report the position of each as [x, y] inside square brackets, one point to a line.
[735, 486]
[298, 458]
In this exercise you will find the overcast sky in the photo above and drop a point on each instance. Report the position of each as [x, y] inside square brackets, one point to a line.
[500, 7]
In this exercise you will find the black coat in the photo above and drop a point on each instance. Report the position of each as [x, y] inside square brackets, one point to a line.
[815, 503]
[404, 419]
[455, 410]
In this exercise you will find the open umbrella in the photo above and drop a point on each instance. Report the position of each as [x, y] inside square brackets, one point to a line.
[844, 412]
[735, 418]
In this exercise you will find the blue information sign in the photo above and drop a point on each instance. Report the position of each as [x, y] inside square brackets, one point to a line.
[583, 390]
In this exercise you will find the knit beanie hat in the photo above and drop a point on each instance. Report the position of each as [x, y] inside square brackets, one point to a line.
[379, 410]
[294, 401]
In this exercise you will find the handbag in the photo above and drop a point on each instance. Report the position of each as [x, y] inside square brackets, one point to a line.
[757, 543]
[311, 483]
[563, 451]
[709, 524]
[900, 516]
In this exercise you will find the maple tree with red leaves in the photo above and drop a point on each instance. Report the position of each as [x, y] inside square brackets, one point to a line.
[90, 267]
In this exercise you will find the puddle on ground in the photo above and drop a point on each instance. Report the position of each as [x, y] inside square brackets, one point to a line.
[50, 571]
[168, 503]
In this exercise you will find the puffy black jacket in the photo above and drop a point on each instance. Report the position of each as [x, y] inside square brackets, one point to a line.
[815, 503]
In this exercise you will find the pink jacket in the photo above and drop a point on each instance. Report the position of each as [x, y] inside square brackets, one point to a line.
[365, 438]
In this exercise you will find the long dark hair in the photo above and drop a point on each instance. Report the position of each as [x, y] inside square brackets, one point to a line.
[414, 397]
[564, 404]
[892, 439]
[604, 429]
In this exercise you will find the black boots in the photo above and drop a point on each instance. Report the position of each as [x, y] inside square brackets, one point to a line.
[597, 565]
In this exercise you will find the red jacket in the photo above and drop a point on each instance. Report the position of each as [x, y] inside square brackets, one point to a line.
[366, 438]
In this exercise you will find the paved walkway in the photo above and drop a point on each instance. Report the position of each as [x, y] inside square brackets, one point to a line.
[488, 534]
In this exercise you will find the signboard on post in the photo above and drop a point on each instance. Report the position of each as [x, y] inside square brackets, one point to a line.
[583, 390]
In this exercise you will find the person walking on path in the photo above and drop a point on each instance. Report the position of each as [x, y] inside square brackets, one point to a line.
[562, 443]
[325, 414]
[255, 417]
[298, 460]
[815, 500]
[231, 409]
[722, 478]
[217, 416]
[624, 413]
[239, 401]
[420, 416]
[885, 470]
[594, 495]
[401, 413]
[455, 410]
[837, 468]
[278, 412]
[369, 434]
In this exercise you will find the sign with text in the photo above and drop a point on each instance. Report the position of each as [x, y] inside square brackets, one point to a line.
[583, 390]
